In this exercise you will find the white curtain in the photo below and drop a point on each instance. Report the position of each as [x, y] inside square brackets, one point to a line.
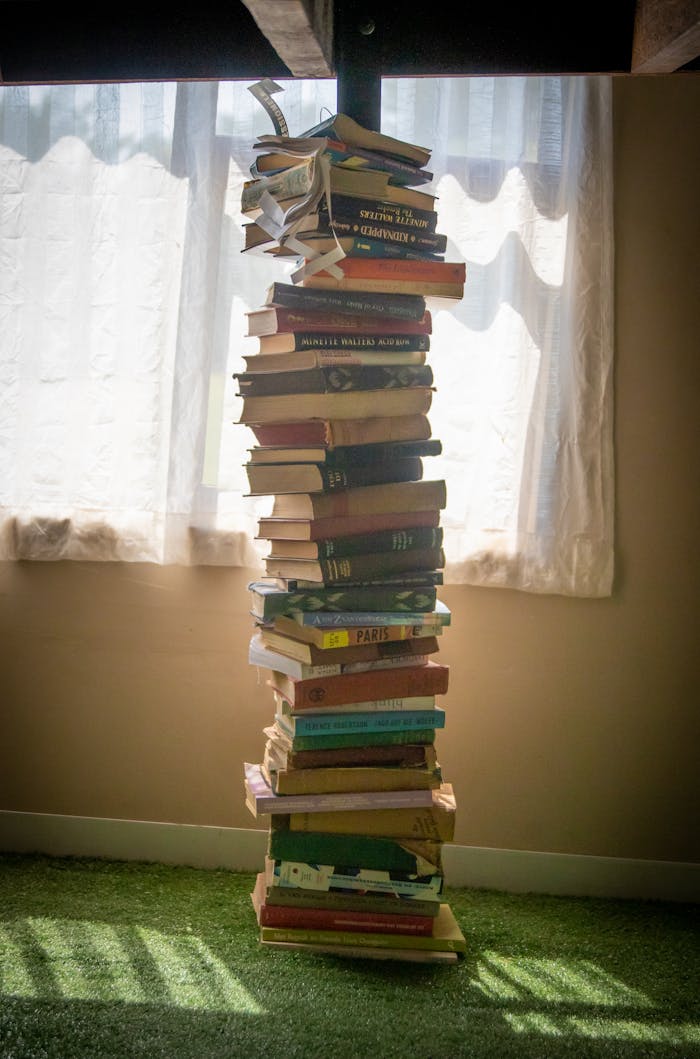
[123, 293]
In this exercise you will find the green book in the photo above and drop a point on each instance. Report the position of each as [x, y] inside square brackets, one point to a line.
[339, 739]
[419, 857]
[267, 600]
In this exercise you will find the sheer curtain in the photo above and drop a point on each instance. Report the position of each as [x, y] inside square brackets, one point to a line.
[123, 293]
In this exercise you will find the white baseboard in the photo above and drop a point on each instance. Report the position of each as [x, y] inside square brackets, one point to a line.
[240, 849]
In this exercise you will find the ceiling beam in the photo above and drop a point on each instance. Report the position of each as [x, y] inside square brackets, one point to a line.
[300, 31]
[666, 35]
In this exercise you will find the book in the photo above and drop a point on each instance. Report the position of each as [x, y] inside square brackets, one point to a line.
[334, 570]
[430, 246]
[355, 878]
[306, 182]
[365, 952]
[266, 657]
[274, 915]
[415, 754]
[352, 778]
[430, 678]
[423, 495]
[435, 821]
[277, 152]
[311, 655]
[350, 404]
[266, 601]
[417, 857]
[301, 359]
[334, 378]
[325, 638]
[339, 342]
[346, 455]
[303, 529]
[343, 432]
[344, 128]
[297, 897]
[430, 278]
[278, 478]
[363, 738]
[446, 936]
[279, 320]
[392, 306]
[405, 702]
[415, 579]
[331, 722]
[262, 801]
[378, 541]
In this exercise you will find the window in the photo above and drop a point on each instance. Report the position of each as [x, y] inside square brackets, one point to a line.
[123, 293]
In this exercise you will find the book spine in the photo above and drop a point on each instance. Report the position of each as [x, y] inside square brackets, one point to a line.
[358, 567]
[395, 737]
[351, 215]
[381, 721]
[273, 478]
[359, 606]
[288, 320]
[340, 919]
[420, 537]
[295, 897]
[373, 853]
[400, 305]
[373, 634]
[402, 268]
[428, 679]
[353, 779]
[361, 343]
[409, 754]
[383, 285]
[401, 238]
[429, 822]
[334, 379]
[279, 408]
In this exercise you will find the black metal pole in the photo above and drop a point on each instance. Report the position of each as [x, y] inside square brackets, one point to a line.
[358, 66]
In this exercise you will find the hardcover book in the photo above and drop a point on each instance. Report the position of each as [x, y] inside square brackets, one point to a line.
[267, 601]
[311, 655]
[352, 343]
[278, 478]
[306, 359]
[386, 737]
[370, 566]
[276, 319]
[343, 432]
[259, 654]
[392, 306]
[345, 404]
[353, 778]
[280, 152]
[430, 495]
[345, 636]
[378, 541]
[344, 128]
[335, 378]
[347, 455]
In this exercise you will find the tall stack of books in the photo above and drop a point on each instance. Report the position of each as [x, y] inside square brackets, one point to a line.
[347, 617]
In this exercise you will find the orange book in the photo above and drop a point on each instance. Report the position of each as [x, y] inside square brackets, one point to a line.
[430, 678]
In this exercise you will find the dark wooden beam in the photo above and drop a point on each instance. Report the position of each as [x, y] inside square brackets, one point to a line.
[666, 35]
[300, 31]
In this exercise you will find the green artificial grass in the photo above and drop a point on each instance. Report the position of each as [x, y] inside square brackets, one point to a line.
[110, 959]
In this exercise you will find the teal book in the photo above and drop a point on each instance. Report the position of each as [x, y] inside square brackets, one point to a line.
[268, 600]
[352, 878]
[328, 722]
[419, 857]
[362, 739]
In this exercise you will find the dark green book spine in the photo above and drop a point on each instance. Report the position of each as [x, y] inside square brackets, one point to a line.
[272, 601]
[359, 567]
[315, 847]
[401, 306]
[381, 452]
[382, 541]
[336, 378]
[351, 215]
[361, 343]
[337, 478]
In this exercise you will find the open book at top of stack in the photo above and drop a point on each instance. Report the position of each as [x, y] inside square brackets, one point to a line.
[347, 619]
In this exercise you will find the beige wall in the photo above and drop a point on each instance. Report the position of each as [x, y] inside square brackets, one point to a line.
[572, 724]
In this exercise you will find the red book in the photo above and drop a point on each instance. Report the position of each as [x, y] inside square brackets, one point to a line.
[430, 678]
[322, 528]
[401, 268]
[272, 320]
[333, 432]
[330, 919]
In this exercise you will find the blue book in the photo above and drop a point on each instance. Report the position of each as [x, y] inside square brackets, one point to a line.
[337, 619]
[372, 721]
